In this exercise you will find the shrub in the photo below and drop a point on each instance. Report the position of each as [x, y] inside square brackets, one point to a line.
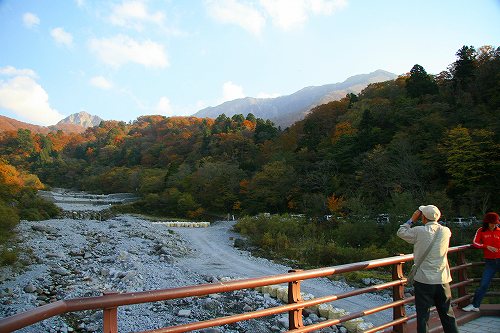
[33, 208]
[8, 219]
[308, 243]
[8, 257]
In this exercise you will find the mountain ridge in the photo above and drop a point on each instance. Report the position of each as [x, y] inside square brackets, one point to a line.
[287, 109]
[81, 118]
[10, 124]
[282, 110]
[74, 123]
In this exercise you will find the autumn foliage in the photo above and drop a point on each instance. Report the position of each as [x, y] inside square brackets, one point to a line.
[18, 200]
[416, 139]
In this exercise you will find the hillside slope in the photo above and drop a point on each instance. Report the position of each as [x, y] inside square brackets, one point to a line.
[75, 123]
[285, 110]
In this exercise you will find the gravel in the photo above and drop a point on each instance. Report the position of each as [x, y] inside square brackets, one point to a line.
[70, 258]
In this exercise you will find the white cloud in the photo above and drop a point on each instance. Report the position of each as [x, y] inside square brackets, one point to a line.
[231, 91]
[199, 105]
[326, 7]
[12, 71]
[133, 13]
[62, 37]
[30, 20]
[267, 95]
[80, 3]
[101, 83]
[289, 14]
[284, 14]
[164, 107]
[231, 11]
[121, 49]
[22, 95]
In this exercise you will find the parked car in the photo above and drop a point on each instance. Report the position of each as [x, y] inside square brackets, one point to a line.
[383, 218]
[464, 221]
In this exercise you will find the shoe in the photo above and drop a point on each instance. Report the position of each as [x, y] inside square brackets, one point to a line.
[471, 307]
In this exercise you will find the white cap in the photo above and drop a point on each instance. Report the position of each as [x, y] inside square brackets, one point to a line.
[431, 212]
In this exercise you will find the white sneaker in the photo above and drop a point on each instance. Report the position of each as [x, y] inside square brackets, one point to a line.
[471, 307]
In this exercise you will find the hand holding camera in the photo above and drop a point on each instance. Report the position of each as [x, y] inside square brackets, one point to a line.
[416, 215]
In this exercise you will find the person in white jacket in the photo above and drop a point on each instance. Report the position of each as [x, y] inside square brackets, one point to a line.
[432, 279]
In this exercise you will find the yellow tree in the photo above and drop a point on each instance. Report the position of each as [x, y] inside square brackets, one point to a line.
[473, 163]
[335, 204]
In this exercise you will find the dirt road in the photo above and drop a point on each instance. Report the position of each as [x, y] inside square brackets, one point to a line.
[214, 254]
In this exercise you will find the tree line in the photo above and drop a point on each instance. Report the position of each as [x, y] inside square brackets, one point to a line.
[420, 138]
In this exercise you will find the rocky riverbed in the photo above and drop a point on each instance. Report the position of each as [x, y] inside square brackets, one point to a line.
[68, 258]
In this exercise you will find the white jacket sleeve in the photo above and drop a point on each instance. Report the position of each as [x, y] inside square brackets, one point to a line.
[407, 233]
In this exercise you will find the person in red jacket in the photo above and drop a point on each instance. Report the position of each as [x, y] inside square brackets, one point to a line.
[487, 238]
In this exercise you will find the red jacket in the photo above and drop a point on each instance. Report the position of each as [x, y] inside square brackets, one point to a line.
[488, 238]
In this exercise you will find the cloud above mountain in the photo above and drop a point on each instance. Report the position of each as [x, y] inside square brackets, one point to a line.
[23, 95]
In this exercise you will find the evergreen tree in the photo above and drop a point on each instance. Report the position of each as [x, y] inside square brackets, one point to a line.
[463, 69]
[419, 83]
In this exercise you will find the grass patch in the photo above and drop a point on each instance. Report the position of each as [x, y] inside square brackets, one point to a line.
[358, 276]
[155, 218]
[8, 256]
[131, 210]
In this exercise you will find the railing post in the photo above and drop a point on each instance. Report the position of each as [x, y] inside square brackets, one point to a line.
[398, 293]
[294, 316]
[462, 276]
[110, 316]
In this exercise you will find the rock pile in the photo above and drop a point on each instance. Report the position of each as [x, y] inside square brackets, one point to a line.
[184, 224]
[318, 313]
[71, 258]
[99, 215]
[80, 258]
[89, 251]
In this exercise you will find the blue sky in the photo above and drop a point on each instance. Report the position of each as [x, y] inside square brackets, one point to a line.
[123, 59]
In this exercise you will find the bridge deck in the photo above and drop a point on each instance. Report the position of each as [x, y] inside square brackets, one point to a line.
[489, 324]
[488, 320]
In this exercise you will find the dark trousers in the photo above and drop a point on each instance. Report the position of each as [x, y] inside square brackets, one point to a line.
[491, 267]
[427, 295]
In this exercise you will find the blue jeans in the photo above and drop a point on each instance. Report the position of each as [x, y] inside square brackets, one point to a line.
[491, 267]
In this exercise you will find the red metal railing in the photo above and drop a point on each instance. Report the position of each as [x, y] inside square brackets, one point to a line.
[110, 301]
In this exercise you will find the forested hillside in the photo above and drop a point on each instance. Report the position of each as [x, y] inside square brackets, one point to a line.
[288, 109]
[418, 139]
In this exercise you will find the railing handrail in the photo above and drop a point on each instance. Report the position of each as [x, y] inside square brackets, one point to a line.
[114, 300]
